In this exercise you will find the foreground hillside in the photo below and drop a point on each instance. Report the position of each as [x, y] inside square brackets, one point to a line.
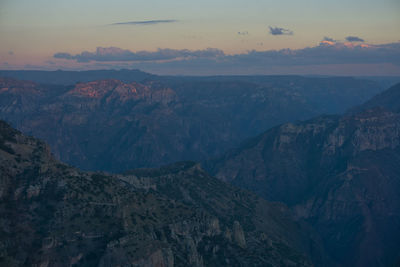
[115, 126]
[55, 215]
[339, 173]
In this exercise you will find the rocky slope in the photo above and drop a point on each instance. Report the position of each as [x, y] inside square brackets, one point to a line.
[55, 215]
[339, 173]
[114, 126]
[388, 99]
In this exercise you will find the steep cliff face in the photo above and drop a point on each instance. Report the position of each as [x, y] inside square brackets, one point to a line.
[114, 126]
[55, 215]
[341, 174]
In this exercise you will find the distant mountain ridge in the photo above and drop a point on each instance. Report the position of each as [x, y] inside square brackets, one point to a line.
[63, 77]
[115, 126]
[339, 173]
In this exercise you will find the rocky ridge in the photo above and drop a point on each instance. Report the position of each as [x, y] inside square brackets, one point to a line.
[56, 215]
[339, 173]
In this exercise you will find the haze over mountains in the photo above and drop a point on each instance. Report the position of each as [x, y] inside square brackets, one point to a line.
[326, 151]
[113, 125]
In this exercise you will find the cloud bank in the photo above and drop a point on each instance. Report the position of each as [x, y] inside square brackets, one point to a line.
[327, 52]
[145, 22]
[328, 57]
[279, 31]
[105, 54]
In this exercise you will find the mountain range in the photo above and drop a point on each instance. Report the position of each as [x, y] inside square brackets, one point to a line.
[339, 173]
[317, 185]
[114, 126]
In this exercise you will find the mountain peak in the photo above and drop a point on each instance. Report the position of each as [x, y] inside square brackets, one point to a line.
[111, 89]
[95, 89]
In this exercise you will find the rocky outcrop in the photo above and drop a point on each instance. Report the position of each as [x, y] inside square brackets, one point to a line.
[374, 129]
[238, 235]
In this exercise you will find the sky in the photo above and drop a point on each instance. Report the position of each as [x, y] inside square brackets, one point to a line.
[342, 37]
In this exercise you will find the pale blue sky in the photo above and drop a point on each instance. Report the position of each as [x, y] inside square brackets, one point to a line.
[32, 31]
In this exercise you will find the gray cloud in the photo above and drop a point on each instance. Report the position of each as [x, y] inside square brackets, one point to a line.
[50, 62]
[338, 53]
[279, 31]
[336, 59]
[105, 54]
[64, 56]
[354, 39]
[145, 22]
[329, 39]
[323, 54]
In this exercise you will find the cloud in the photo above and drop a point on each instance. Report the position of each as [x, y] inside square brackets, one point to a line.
[326, 53]
[145, 22]
[50, 62]
[104, 54]
[243, 33]
[354, 39]
[279, 31]
[336, 59]
[64, 56]
[328, 39]
[337, 53]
